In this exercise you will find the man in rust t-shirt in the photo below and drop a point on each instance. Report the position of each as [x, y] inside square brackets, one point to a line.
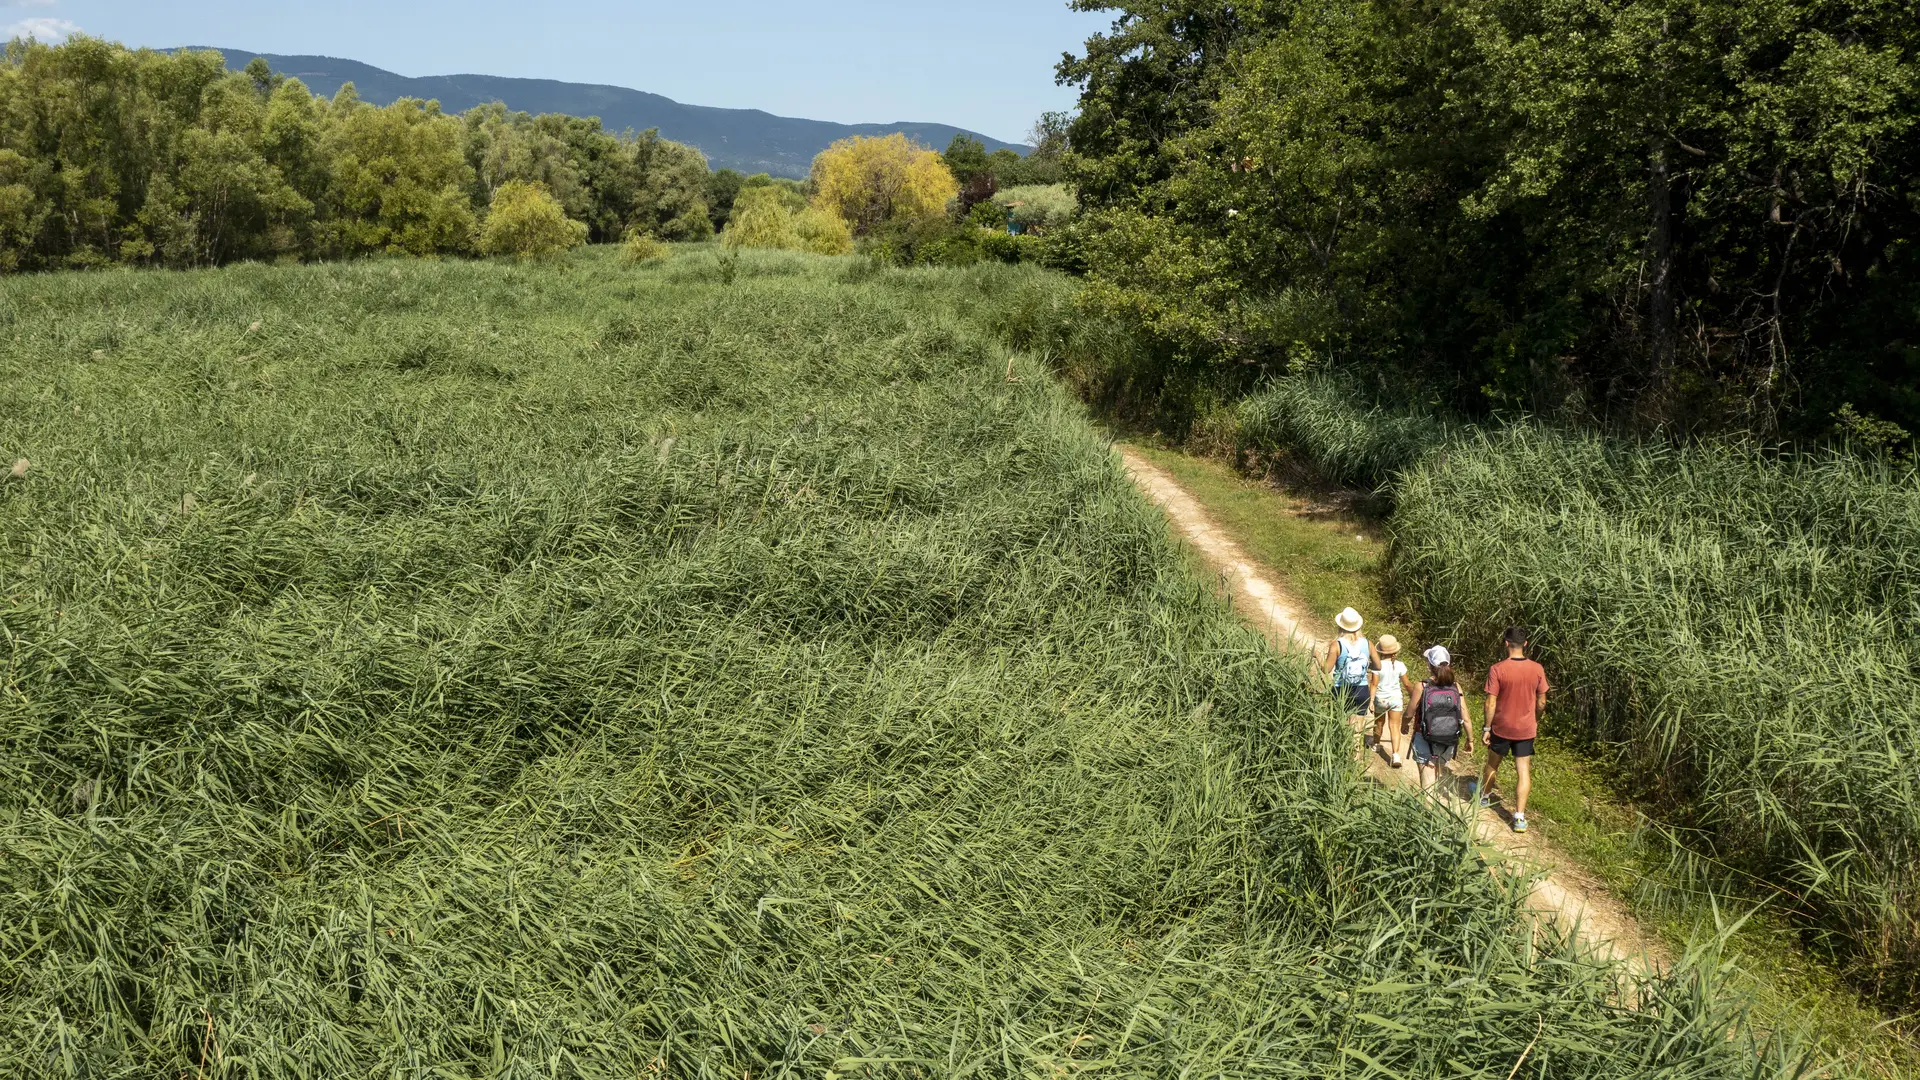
[1516, 692]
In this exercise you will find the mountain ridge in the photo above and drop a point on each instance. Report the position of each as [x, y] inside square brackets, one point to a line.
[749, 140]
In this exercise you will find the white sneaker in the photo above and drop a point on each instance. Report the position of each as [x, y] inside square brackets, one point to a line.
[1519, 823]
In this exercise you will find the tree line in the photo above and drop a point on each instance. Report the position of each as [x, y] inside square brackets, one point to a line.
[111, 156]
[115, 156]
[1674, 214]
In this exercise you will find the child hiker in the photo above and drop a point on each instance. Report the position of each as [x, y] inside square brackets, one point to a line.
[1349, 658]
[1390, 686]
[1440, 719]
[1516, 692]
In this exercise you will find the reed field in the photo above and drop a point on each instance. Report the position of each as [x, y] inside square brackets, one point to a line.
[719, 667]
[1362, 446]
[1737, 625]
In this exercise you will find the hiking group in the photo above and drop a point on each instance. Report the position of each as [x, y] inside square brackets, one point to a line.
[1383, 700]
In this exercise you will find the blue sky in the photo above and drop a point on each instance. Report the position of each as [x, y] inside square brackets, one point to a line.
[987, 65]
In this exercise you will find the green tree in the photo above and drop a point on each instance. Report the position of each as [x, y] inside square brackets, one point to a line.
[671, 199]
[966, 158]
[400, 180]
[503, 147]
[723, 186]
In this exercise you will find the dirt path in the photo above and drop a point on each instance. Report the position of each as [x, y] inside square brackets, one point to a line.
[1561, 893]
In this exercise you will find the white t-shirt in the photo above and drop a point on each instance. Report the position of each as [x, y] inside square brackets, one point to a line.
[1387, 694]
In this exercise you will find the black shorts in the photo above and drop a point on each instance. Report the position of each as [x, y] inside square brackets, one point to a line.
[1510, 747]
[1355, 697]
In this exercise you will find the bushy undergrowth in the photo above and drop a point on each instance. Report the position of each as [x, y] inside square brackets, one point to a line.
[489, 670]
[1737, 624]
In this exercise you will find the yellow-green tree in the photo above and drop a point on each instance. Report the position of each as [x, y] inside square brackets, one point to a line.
[870, 181]
[759, 220]
[822, 232]
[527, 221]
[765, 217]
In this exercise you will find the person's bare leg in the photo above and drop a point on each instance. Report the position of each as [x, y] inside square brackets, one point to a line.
[1393, 733]
[1487, 774]
[1429, 776]
[1524, 786]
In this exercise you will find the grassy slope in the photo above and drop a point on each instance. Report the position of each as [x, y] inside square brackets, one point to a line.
[1331, 559]
[479, 670]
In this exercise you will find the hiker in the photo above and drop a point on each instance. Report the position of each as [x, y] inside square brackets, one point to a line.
[1389, 687]
[1349, 658]
[1440, 720]
[1516, 693]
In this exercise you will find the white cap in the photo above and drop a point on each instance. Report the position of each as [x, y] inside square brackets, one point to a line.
[1438, 655]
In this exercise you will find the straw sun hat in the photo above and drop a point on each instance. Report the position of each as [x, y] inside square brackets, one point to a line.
[1349, 620]
[1389, 645]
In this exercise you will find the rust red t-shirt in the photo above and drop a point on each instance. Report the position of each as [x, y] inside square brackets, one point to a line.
[1518, 684]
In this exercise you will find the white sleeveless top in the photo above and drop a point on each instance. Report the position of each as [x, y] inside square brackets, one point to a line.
[1388, 695]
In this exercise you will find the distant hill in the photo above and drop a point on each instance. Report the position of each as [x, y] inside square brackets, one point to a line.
[745, 139]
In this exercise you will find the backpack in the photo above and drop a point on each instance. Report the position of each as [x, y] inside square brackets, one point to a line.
[1350, 669]
[1441, 717]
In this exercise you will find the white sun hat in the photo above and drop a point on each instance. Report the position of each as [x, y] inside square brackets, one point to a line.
[1349, 620]
[1438, 655]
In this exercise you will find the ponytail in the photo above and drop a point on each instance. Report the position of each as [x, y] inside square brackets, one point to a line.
[1443, 675]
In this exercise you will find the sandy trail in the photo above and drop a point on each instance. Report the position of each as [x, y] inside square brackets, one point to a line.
[1561, 893]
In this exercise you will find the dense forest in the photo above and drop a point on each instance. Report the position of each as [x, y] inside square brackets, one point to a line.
[1660, 214]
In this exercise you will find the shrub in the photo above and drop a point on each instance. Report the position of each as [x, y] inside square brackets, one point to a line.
[1008, 248]
[766, 217]
[931, 241]
[1039, 206]
[526, 221]
[988, 215]
[643, 248]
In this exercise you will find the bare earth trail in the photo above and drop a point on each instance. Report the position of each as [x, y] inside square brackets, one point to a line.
[1561, 894]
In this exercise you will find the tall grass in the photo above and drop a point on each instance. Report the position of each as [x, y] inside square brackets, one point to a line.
[1738, 624]
[693, 669]
[1347, 439]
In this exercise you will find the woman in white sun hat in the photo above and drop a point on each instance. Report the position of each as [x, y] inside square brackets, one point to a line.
[1349, 658]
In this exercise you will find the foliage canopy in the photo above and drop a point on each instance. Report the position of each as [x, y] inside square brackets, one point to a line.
[1677, 213]
[870, 181]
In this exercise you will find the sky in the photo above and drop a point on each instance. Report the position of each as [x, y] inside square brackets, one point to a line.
[987, 65]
